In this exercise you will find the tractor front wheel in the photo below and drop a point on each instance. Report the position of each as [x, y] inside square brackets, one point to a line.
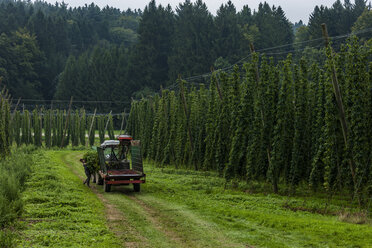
[137, 187]
[107, 187]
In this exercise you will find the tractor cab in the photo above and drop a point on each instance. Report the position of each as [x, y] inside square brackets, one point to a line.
[111, 155]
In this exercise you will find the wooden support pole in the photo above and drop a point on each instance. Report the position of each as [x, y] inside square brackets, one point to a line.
[338, 96]
[107, 122]
[91, 125]
[67, 120]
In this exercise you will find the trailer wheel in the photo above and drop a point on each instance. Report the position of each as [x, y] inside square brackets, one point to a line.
[137, 187]
[107, 187]
[99, 179]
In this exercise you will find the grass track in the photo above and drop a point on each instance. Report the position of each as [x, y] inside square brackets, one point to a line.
[175, 209]
[60, 211]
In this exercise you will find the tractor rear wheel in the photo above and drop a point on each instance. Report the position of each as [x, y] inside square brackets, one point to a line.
[106, 187]
[137, 187]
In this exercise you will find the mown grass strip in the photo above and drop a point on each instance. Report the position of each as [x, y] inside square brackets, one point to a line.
[249, 219]
[60, 211]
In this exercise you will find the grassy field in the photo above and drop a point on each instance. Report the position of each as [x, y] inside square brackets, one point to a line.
[59, 210]
[175, 208]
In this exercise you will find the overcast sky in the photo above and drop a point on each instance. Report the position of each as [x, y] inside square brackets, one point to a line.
[295, 9]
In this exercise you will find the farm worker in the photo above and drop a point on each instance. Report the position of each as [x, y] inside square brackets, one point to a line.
[87, 172]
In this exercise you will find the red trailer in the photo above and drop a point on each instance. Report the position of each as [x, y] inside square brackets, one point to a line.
[115, 166]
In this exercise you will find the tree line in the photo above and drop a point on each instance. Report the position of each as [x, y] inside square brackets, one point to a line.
[55, 51]
[273, 122]
[36, 39]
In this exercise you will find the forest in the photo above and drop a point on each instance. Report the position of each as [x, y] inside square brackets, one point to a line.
[52, 52]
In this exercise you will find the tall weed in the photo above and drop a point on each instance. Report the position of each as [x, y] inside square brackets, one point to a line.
[14, 171]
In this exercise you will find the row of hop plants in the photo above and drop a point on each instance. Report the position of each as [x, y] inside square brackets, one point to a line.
[5, 121]
[55, 128]
[268, 121]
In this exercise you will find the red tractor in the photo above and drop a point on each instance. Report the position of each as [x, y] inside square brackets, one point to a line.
[115, 166]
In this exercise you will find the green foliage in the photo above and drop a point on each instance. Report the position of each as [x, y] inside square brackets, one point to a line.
[83, 124]
[92, 161]
[48, 116]
[17, 125]
[5, 129]
[110, 127]
[51, 51]
[101, 128]
[14, 171]
[75, 128]
[37, 129]
[363, 22]
[92, 129]
[277, 123]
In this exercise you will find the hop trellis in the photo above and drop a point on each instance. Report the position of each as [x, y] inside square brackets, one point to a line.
[277, 122]
[46, 127]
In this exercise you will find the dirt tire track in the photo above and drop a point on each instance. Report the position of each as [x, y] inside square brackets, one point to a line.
[159, 225]
[114, 217]
[173, 235]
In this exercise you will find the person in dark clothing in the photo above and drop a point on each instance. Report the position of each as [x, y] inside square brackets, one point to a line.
[87, 172]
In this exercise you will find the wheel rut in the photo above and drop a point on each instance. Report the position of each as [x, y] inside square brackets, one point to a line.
[153, 216]
[114, 217]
